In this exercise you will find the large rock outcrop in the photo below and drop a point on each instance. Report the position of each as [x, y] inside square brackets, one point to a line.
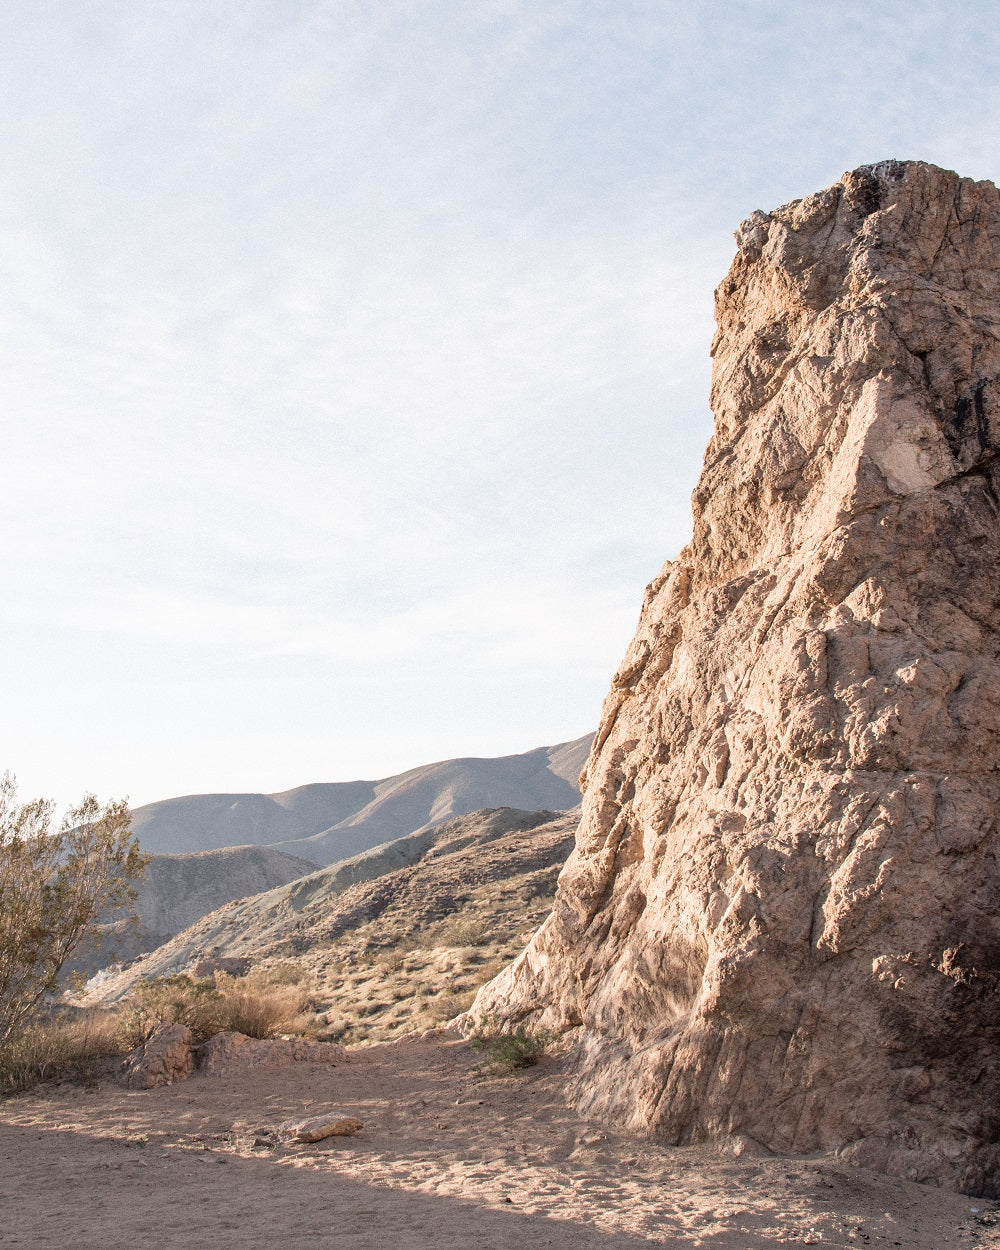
[781, 917]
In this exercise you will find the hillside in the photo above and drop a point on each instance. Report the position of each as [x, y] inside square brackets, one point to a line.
[177, 890]
[395, 938]
[327, 822]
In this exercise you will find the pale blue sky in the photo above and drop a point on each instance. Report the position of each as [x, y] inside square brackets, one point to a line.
[355, 356]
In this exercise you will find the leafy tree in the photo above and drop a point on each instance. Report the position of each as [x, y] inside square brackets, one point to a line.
[54, 885]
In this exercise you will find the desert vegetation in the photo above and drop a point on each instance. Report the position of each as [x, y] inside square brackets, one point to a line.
[81, 1044]
[402, 950]
[76, 1045]
[398, 955]
[506, 1050]
[254, 1005]
[55, 882]
[400, 973]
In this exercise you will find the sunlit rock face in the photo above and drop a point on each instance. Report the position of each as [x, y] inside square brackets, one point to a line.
[781, 918]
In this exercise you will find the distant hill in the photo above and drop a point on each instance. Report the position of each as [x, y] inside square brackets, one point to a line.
[395, 938]
[330, 821]
[177, 890]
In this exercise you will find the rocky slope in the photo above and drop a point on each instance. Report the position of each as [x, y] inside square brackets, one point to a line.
[781, 917]
[177, 890]
[329, 822]
[392, 939]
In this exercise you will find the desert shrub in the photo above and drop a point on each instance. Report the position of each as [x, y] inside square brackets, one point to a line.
[76, 1047]
[282, 972]
[447, 1006]
[259, 1008]
[456, 930]
[178, 999]
[249, 1005]
[509, 1049]
[54, 885]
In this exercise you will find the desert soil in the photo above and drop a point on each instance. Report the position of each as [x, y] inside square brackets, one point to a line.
[451, 1155]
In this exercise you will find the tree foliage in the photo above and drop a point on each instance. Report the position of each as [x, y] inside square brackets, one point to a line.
[55, 882]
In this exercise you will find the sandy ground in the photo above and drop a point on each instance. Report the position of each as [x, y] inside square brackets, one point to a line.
[451, 1156]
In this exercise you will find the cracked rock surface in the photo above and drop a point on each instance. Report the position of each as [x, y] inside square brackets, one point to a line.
[781, 918]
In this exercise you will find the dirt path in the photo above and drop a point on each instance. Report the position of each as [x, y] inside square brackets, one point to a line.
[450, 1157]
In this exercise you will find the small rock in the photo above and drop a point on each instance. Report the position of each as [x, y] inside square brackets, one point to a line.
[317, 1127]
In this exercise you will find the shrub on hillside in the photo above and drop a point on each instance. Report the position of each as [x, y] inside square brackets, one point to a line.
[54, 885]
[179, 999]
[250, 1005]
[259, 1007]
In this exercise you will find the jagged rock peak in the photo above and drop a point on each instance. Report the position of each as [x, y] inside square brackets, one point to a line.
[781, 918]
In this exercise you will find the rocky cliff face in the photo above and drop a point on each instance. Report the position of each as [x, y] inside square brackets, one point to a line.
[781, 917]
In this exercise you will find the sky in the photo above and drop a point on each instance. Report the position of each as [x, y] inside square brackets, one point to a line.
[354, 356]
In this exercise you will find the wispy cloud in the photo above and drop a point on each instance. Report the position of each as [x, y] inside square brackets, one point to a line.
[354, 358]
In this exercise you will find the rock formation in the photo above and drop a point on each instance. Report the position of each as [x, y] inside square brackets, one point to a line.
[781, 917]
[165, 1057]
[233, 1054]
[170, 1055]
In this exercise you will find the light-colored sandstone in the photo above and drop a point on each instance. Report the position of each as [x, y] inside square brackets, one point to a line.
[233, 1054]
[164, 1058]
[781, 919]
[319, 1127]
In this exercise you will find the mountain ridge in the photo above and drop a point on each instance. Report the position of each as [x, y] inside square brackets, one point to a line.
[325, 822]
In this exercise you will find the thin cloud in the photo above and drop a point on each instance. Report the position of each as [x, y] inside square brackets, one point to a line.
[371, 344]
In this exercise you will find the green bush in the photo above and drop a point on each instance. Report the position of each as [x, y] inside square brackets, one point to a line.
[513, 1048]
[55, 883]
[179, 999]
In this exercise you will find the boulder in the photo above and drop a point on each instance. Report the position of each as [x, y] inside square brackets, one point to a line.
[165, 1057]
[781, 921]
[230, 1054]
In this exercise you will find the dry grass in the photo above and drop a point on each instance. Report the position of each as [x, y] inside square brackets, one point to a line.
[398, 974]
[382, 979]
[262, 1010]
[398, 955]
[77, 1046]
[254, 1005]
